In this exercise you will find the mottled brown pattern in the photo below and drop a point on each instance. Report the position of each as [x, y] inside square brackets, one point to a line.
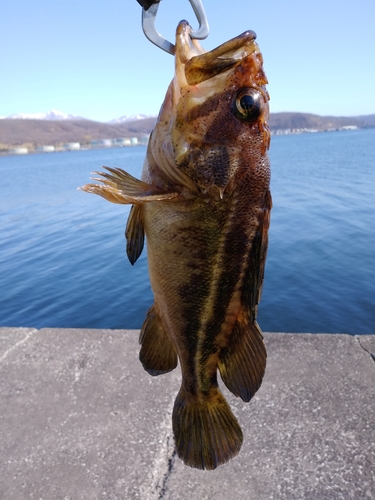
[203, 205]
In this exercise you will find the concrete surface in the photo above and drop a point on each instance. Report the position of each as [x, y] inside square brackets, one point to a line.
[80, 419]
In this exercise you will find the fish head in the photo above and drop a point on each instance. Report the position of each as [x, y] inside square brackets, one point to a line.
[213, 121]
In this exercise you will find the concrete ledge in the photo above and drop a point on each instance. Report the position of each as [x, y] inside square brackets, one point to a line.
[80, 419]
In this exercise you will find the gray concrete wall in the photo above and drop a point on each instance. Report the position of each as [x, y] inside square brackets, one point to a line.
[80, 419]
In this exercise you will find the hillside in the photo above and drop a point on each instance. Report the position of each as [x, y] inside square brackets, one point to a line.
[283, 121]
[16, 132]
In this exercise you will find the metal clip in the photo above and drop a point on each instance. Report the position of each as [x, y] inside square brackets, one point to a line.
[148, 26]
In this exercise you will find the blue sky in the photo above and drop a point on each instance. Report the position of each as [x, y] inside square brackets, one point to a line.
[91, 58]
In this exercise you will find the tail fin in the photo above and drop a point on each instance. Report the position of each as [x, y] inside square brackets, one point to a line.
[206, 432]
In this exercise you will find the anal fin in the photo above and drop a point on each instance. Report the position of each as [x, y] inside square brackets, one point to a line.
[134, 234]
[243, 362]
[158, 354]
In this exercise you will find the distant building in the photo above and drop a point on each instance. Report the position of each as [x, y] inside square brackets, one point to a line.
[45, 149]
[18, 151]
[134, 141]
[125, 141]
[144, 139]
[72, 146]
[101, 143]
[105, 143]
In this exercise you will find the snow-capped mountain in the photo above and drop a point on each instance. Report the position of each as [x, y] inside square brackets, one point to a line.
[59, 115]
[131, 118]
[49, 115]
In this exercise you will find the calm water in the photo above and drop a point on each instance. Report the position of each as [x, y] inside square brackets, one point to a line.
[62, 251]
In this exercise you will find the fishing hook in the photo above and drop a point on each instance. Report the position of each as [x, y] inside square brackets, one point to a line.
[148, 24]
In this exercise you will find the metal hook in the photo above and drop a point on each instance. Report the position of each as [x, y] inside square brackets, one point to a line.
[148, 26]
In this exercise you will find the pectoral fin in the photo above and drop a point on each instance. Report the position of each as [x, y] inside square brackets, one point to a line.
[158, 354]
[134, 234]
[120, 187]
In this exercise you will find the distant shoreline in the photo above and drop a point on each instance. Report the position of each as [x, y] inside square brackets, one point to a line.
[23, 136]
[22, 150]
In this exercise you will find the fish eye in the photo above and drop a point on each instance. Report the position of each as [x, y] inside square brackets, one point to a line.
[248, 105]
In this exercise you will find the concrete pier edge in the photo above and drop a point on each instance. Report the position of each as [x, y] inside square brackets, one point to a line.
[81, 419]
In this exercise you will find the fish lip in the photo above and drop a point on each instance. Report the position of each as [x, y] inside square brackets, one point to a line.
[186, 46]
[200, 65]
[183, 36]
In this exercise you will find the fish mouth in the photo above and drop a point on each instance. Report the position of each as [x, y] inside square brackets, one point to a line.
[205, 90]
[199, 65]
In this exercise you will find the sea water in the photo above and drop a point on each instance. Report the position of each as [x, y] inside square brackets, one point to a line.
[62, 252]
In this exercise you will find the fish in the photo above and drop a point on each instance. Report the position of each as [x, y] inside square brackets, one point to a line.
[203, 206]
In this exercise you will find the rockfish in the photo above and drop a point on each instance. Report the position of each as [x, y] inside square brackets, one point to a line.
[204, 206]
